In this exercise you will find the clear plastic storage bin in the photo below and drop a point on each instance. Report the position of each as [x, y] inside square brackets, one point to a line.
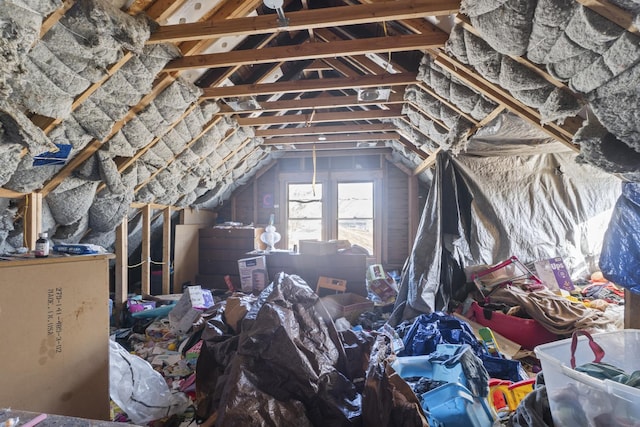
[577, 399]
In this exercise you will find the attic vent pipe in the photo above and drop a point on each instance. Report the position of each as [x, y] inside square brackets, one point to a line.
[277, 6]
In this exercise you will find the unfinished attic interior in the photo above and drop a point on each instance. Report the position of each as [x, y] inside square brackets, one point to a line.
[320, 213]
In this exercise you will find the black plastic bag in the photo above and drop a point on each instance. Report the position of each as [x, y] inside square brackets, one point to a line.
[289, 353]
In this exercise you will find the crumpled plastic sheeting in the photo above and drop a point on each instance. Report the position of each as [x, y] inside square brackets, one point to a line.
[509, 135]
[387, 400]
[139, 390]
[534, 207]
[620, 257]
[533, 410]
[288, 369]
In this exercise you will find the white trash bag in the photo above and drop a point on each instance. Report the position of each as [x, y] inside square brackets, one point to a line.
[139, 390]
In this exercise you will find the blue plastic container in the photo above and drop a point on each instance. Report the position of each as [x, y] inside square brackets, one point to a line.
[452, 405]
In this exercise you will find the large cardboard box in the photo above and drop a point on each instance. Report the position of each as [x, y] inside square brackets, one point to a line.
[347, 305]
[54, 337]
[253, 274]
[315, 247]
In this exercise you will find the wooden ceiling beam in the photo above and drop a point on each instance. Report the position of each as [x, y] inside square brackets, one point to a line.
[317, 103]
[371, 147]
[321, 117]
[305, 20]
[308, 51]
[326, 130]
[313, 139]
[311, 85]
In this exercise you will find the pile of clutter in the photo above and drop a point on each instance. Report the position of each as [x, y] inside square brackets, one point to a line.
[271, 357]
[286, 356]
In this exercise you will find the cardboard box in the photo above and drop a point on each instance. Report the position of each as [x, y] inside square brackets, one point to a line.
[554, 274]
[253, 274]
[55, 336]
[316, 247]
[339, 285]
[347, 305]
[188, 309]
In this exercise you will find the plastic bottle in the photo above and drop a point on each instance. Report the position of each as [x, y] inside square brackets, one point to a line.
[42, 246]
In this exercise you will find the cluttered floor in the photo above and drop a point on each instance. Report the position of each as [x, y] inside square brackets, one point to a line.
[236, 359]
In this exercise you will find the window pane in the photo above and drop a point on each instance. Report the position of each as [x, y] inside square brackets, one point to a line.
[305, 213]
[355, 200]
[357, 232]
[355, 213]
[304, 229]
[303, 203]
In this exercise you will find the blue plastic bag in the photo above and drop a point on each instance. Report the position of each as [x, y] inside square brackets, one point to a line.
[620, 256]
[436, 328]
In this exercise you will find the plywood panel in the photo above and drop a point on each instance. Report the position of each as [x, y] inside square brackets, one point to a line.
[198, 216]
[185, 255]
[55, 335]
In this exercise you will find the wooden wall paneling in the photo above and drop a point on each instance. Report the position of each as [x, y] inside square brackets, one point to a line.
[121, 269]
[398, 213]
[145, 258]
[190, 216]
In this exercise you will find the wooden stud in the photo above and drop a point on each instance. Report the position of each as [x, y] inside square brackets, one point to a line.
[166, 252]
[33, 220]
[121, 268]
[146, 251]
[631, 312]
